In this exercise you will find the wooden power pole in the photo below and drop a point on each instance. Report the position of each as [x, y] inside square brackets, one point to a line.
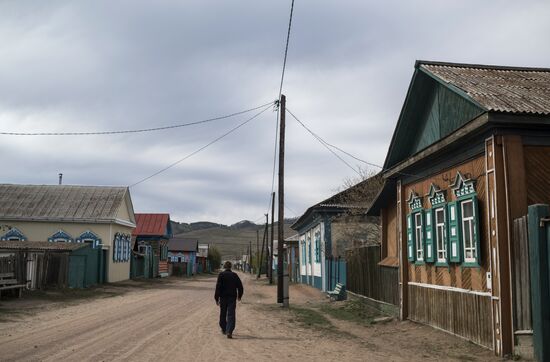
[272, 237]
[257, 249]
[282, 277]
[266, 239]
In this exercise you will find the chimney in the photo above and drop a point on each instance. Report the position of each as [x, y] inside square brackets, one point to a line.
[60, 178]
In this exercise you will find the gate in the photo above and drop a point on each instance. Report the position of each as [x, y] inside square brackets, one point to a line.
[539, 260]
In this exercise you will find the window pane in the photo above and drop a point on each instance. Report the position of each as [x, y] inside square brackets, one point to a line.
[467, 209]
[439, 216]
[467, 234]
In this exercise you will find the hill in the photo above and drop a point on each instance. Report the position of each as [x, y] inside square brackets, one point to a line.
[232, 240]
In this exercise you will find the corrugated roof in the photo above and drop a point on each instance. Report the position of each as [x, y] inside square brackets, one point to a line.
[60, 202]
[39, 245]
[180, 244]
[151, 224]
[498, 88]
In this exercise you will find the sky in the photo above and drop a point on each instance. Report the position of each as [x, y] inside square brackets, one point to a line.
[85, 66]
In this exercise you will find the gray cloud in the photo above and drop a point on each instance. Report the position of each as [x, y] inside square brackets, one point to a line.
[82, 66]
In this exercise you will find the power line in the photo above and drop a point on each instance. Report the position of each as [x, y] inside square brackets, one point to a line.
[325, 144]
[278, 100]
[331, 145]
[142, 130]
[203, 147]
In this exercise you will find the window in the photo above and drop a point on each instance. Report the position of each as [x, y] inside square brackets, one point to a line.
[121, 247]
[60, 237]
[418, 236]
[14, 235]
[303, 241]
[468, 231]
[309, 256]
[440, 235]
[317, 246]
[89, 237]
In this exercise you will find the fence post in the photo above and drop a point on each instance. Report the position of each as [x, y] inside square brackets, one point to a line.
[539, 255]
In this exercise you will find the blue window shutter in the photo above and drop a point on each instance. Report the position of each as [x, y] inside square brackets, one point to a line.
[428, 223]
[455, 230]
[411, 252]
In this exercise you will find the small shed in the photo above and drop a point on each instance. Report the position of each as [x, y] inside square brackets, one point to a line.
[182, 253]
[61, 265]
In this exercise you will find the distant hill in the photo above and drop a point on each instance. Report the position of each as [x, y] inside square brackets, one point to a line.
[232, 240]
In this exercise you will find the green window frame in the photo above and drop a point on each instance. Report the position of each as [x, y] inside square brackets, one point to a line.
[429, 249]
[469, 224]
[455, 238]
[410, 240]
[317, 246]
[418, 226]
[440, 236]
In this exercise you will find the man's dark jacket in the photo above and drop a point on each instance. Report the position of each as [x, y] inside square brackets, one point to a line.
[228, 285]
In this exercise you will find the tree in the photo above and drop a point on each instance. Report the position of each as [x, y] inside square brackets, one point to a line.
[215, 257]
[353, 227]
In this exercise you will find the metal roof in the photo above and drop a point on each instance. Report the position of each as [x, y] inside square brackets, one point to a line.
[180, 244]
[40, 245]
[151, 224]
[497, 88]
[60, 202]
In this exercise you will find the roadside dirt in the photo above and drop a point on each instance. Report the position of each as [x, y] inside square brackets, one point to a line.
[176, 319]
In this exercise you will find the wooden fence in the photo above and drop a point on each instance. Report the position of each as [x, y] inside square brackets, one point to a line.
[521, 282]
[367, 278]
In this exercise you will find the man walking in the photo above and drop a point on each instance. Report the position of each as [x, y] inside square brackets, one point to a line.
[229, 288]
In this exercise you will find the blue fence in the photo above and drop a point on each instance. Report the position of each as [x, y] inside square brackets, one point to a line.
[335, 272]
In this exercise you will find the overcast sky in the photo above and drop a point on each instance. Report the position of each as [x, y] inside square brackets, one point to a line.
[106, 65]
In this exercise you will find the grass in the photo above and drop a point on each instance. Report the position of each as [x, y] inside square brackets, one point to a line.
[354, 311]
[310, 317]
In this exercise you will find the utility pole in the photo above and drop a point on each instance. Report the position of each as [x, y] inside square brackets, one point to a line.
[257, 248]
[268, 252]
[250, 256]
[264, 242]
[282, 277]
[272, 237]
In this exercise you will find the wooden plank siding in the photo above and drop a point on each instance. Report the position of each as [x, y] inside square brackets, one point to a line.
[521, 279]
[537, 168]
[365, 277]
[455, 275]
[464, 314]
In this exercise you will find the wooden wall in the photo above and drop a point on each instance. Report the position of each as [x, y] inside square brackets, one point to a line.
[464, 314]
[537, 169]
[366, 277]
[455, 275]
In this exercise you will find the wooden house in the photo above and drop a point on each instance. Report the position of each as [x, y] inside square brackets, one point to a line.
[182, 253]
[203, 266]
[151, 235]
[470, 152]
[102, 217]
[331, 226]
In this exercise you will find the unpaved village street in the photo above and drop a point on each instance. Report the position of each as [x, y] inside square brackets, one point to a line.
[176, 320]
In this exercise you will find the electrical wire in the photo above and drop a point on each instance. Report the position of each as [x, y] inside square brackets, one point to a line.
[203, 147]
[278, 103]
[323, 142]
[326, 144]
[142, 130]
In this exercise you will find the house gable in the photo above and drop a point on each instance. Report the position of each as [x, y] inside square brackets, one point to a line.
[432, 110]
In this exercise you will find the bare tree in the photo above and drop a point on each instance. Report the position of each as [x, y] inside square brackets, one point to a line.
[353, 227]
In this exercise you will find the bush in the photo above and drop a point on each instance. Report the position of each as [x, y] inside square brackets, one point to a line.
[215, 257]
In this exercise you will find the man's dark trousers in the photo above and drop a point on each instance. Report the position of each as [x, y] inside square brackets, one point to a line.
[227, 314]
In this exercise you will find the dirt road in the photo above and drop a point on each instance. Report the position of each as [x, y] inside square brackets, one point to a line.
[176, 320]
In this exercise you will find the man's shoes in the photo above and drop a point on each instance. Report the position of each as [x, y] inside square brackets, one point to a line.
[229, 335]
[223, 332]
